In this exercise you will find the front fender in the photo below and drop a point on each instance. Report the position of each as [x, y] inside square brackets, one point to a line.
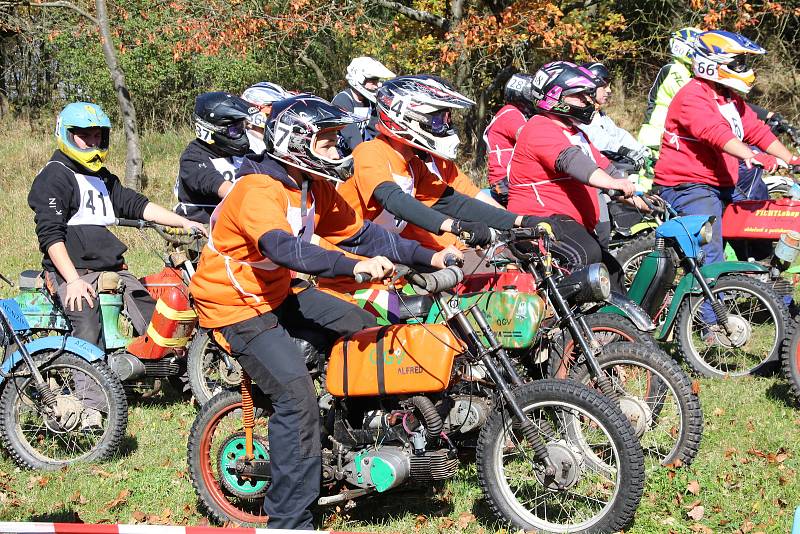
[622, 305]
[711, 273]
[79, 347]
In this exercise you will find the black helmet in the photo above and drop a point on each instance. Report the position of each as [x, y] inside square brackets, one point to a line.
[219, 121]
[558, 79]
[291, 132]
[599, 71]
[518, 91]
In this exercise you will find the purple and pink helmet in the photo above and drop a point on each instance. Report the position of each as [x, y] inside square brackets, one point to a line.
[558, 79]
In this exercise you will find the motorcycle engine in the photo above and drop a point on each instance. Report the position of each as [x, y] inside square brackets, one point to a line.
[468, 413]
[387, 467]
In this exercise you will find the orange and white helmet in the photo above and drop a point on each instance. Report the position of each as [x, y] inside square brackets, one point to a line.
[725, 58]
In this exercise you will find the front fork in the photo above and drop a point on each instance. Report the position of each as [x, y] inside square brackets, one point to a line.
[531, 431]
[719, 310]
[583, 337]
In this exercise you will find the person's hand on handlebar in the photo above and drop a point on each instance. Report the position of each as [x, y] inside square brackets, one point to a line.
[438, 260]
[474, 234]
[377, 268]
[194, 226]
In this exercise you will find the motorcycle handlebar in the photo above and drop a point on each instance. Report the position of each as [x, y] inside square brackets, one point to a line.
[169, 233]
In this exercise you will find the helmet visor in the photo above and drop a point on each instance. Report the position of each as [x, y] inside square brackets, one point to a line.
[439, 123]
[235, 130]
[742, 63]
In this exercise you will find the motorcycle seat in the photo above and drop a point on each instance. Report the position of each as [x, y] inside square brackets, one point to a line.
[415, 307]
[31, 279]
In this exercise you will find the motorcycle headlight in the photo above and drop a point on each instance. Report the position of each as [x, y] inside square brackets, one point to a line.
[588, 284]
[706, 234]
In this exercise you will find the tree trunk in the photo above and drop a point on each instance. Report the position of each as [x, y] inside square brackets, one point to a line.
[134, 172]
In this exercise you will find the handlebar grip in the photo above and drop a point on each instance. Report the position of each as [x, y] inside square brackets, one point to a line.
[131, 223]
[362, 277]
[174, 230]
[452, 259]
[438, 281]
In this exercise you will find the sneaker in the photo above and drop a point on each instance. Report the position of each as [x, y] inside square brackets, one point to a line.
[91, 420]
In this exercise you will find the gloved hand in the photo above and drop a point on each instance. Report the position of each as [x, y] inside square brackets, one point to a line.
[640, 156]
[768, 162]
[794, 162]
[777, 124]
[474, 234]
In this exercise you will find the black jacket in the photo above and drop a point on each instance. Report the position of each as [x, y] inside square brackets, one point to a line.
[353, 134]
[202, 171]
[70, 207]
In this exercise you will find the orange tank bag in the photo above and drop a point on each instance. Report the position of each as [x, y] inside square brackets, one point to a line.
[393, 360]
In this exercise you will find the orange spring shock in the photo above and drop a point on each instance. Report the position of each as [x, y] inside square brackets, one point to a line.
[248, 416]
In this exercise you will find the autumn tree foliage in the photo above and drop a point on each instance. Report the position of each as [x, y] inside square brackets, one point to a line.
[171, 50]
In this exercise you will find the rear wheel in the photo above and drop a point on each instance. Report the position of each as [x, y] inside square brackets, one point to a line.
[600, 470]
[216, 442]
[631, 254]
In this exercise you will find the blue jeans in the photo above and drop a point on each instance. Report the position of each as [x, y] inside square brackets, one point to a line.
[702, 199]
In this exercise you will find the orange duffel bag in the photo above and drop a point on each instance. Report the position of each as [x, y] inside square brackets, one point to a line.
[393, 360]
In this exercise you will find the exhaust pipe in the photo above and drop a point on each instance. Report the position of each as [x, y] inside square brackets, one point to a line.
[126, 366]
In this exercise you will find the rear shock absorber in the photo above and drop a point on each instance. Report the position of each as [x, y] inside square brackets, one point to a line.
[248, 416]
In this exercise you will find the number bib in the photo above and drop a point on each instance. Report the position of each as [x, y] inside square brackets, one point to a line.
[95, 206]
[731, 115]
[226, 168]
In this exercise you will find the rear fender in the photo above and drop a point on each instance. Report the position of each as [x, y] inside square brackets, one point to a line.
[74, 345]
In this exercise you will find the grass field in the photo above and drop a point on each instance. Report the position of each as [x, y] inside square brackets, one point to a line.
[743, 480]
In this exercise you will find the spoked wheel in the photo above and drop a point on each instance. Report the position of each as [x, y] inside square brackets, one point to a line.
[606, 327]
[791, 363]
[210, 370]
[656, 397]
[216, 446]
[631, 254]
[758, 321]
[599, 465]
[86, 424]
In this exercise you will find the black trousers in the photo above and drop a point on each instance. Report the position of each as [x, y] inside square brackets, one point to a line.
[88, 324]
[576, 247]
[264, 348]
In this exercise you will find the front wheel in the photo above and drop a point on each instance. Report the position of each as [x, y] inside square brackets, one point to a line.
[599, 463]
[216, 443]
[656, 396]
[86, 424]
[791, 363]
[209, 369]
[607, 328]
[758, 323]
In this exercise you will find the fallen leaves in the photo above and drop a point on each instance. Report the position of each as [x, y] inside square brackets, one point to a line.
[696, 512]
[693, 487]
[121, 499]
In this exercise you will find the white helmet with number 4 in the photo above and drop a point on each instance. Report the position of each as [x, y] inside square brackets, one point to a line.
[366, 68]
[416, 110]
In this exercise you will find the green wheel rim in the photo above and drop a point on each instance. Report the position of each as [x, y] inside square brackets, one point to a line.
[232, 452]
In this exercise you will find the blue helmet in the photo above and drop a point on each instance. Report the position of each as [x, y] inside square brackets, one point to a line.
[80, 115]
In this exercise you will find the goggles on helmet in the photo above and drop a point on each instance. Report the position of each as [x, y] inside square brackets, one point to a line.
[438, 123]
[742, 63]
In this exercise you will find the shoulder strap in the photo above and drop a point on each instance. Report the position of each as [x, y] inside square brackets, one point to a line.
[380, 359]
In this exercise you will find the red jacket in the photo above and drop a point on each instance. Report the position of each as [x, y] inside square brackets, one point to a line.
[500, 137]
[535, 187]
[700, 120]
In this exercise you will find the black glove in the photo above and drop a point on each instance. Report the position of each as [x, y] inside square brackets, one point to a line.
[778, 124]
[474, 234]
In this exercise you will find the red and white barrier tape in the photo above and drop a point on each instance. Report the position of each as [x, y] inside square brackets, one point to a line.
[81, 528]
